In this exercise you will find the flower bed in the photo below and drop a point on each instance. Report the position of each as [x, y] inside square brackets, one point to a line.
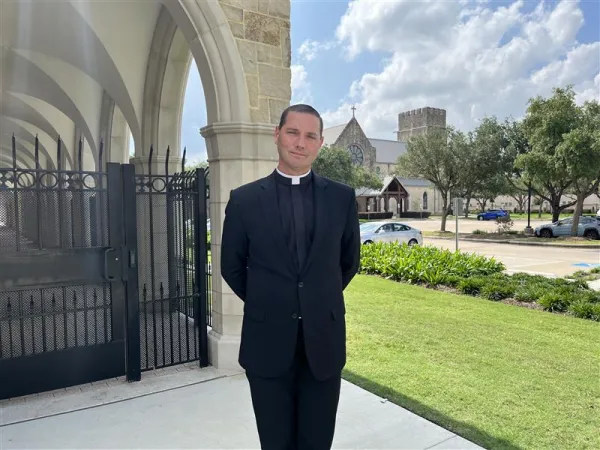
[479, 276]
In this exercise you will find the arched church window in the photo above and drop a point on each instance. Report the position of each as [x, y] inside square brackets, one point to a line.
[356, 154]
[424, 200]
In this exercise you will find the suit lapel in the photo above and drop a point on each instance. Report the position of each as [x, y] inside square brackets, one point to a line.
[321, 218]
[270, 206]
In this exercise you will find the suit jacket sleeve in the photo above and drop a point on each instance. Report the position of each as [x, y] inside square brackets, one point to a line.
[234, 249]
[350, 255]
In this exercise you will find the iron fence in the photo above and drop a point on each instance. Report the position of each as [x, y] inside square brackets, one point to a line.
[98, 268]
[171, 212]
[58, 309]
[50, 213]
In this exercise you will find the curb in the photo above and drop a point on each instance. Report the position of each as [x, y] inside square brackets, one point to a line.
[594, 285]
[517, 242]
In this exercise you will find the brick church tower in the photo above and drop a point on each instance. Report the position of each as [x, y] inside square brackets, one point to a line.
[419, 121]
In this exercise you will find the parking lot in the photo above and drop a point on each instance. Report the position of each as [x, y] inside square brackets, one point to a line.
[544, 260]
[468, 225]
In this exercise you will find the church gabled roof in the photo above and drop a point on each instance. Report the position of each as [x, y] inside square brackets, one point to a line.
[353, 123]
[386, 151]
[362, 192]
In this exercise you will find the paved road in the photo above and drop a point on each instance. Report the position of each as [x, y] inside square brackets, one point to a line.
[549, 261]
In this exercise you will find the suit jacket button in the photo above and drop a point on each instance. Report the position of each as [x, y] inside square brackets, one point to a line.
[300, 284]
[294, 316]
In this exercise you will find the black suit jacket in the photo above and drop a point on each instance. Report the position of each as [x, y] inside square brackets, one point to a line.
[259, 268]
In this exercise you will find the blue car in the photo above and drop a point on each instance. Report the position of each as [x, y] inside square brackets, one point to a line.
[492, 214]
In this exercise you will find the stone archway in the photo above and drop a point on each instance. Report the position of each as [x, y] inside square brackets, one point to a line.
[246, 79]
[114, 133]
[98, 69]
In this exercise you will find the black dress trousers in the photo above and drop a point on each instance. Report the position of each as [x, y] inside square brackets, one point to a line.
[295, 411]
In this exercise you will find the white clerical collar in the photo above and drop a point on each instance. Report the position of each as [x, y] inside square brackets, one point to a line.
[295, 178]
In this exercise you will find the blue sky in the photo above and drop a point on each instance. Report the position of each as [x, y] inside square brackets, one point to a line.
[470, 57]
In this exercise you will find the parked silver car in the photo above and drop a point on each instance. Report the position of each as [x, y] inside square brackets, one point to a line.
[389, 232]
[589, 227]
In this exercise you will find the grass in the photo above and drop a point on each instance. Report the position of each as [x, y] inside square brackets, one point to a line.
[500, 376]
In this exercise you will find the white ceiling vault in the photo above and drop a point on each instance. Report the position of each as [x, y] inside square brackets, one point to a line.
[59, 63]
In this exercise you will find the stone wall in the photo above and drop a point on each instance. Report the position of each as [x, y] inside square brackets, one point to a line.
[353, 134]
[419, 121]
[262, 32]
[384, 169]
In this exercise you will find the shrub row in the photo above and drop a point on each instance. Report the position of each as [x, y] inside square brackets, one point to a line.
[476, 275]
[424, 264]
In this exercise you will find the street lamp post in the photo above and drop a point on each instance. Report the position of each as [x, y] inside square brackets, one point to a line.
[528, 229]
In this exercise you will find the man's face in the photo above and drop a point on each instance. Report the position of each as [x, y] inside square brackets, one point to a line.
[298, 142]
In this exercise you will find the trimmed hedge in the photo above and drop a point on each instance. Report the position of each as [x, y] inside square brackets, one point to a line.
[414, 214]
[379, 215]
[479, 276]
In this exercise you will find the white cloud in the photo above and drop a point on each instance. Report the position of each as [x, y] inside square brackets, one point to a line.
[300, 85]
[472, 59]
[309, 49]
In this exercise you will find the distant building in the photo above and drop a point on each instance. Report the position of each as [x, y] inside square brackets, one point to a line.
[398, 195]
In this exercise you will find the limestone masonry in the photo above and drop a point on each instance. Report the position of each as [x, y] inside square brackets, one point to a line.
[261, 30]
[419, 121]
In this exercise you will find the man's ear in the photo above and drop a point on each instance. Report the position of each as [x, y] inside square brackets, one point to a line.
[276, 133]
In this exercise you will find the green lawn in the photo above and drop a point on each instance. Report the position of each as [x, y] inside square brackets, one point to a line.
[502, 376]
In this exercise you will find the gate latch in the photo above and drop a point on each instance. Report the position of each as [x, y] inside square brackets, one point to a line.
[109, 263]
[128, 259]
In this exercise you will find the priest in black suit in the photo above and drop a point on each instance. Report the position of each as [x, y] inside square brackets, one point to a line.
[290, 246]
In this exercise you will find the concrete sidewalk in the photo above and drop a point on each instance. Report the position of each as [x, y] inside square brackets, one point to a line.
[196, 408]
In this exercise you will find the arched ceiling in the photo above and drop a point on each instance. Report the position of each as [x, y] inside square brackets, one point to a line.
[26, 133]
[57, 59]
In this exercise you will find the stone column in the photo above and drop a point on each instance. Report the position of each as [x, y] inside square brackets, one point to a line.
[238, 153]
[243, 150]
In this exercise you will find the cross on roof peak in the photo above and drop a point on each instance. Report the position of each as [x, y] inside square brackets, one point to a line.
[353, 109]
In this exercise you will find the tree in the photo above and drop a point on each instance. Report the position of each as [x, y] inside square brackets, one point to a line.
[196, 165]
[483, 163]
[470, 173]
[517, 144]
[490, 157]
[579, 155]
[546, 123]
[434, 156]
[366, 178]
[518, 190]
[336, 164]
[519, 187]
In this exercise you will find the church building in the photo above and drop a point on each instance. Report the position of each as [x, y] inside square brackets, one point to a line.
[403, 197]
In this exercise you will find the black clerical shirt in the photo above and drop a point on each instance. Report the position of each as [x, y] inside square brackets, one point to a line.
[288, 195]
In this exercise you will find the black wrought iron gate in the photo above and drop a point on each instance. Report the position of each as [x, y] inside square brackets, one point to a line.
[101, 274]
[171, 209]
